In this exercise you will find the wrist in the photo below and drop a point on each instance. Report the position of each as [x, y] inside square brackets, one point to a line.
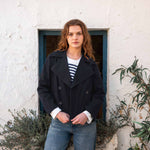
[58, 114]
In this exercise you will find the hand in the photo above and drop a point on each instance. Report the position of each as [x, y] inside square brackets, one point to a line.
[63, 117]
[80, 119]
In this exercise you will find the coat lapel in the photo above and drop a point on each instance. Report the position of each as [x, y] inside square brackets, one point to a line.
[60, 68]
[84, 71]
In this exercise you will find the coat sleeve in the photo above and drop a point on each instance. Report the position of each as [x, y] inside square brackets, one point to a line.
[98, 94]
[44, 88]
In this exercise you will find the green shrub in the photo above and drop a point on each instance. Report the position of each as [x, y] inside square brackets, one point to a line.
[25, 131]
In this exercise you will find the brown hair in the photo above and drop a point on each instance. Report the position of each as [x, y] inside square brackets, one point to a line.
[86, 46]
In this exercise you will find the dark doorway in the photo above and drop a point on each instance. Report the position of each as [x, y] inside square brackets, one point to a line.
[48, 41]
[51, 43]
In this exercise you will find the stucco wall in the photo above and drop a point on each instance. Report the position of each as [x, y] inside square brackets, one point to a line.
[127, 22]
[18, 56]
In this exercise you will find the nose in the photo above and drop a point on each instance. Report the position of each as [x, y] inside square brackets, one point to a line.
[75, 36]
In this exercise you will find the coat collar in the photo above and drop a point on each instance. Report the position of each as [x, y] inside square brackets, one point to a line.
[60, 68]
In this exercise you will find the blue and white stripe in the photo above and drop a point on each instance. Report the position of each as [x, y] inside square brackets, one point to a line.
[73, 65]
[72, 70]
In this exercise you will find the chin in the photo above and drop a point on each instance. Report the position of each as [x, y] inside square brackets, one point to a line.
[76, 46]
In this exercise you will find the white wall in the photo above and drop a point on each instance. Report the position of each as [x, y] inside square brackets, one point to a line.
[18, 56]
[127, 22]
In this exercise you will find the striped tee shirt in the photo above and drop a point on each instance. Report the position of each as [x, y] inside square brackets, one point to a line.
[73, 65]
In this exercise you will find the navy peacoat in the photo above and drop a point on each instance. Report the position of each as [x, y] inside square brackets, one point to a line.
[56, 90]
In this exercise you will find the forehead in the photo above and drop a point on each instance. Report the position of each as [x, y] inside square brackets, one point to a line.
[75, 28]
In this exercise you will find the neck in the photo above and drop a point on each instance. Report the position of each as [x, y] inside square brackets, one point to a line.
[74, 53]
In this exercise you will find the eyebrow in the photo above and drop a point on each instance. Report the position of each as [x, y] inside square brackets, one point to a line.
[76, 32]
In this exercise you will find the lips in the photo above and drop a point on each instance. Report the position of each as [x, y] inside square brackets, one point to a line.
[75, 42]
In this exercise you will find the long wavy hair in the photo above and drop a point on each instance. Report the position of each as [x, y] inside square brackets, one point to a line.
[86, 46]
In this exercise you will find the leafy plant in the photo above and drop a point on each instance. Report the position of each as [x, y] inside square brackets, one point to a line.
[141, 97]
[121, 114]
[26, 131]
[105, 131]
[144, 132]
[137, 76]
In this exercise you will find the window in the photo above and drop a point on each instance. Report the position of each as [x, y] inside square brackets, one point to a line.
[48, 41]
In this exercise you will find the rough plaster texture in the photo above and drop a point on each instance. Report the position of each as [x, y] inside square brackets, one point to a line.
[18, 57]
[127, 24]
[124, 135]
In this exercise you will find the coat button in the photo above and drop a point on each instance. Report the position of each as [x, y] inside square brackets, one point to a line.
[87, 92]
[60, 103]
[59, 88]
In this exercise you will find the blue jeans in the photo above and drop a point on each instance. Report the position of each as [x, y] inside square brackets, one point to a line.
[59, 134]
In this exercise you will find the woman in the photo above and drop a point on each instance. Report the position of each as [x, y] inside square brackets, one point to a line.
[70, 89]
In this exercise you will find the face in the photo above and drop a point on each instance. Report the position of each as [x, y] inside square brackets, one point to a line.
[75, 37]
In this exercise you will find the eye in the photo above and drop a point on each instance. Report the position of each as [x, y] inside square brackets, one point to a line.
[70, 34]
[79, 33]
